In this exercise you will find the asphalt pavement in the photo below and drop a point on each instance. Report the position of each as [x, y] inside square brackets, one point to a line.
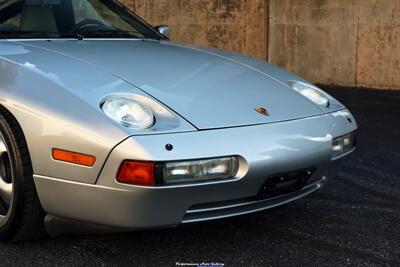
[354, 220]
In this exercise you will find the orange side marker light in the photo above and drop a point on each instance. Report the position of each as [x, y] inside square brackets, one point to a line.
[73, 157]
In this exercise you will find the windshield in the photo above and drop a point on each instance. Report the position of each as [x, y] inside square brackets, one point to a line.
[71, 18]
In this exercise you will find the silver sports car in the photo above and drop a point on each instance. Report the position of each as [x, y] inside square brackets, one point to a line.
[104, 121]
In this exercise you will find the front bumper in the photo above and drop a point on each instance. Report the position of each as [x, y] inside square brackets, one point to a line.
[266, 150]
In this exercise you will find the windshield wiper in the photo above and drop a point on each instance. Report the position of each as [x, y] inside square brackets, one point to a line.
[100, 33]
[117, 33]
[43, 34]
[110, 33]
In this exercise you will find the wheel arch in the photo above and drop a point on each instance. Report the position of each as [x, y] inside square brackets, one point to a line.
[6, 113]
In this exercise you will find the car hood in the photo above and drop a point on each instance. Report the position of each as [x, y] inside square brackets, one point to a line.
[208, 89]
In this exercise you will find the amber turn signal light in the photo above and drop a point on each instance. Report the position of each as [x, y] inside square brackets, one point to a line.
[137, 173]
[73, 157]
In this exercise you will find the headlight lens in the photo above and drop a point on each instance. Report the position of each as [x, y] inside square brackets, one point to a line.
[311, 92]
[128, 112]
[343, 144]
[200, 170]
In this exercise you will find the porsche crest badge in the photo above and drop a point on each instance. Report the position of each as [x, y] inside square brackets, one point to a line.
[262, 111]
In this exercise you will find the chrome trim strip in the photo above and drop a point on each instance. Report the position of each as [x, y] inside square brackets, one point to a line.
[191, 211]
[306, 191]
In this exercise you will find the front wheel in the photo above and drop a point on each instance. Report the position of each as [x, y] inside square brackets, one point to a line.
[21, 215]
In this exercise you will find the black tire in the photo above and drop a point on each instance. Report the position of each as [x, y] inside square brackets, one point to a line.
[25, 216]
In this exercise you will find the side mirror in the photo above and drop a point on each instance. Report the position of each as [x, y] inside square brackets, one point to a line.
[164, 30]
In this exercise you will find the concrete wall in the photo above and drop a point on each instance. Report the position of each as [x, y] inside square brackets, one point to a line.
[343, 42]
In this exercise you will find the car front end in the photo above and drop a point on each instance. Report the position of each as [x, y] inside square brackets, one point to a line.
[276, 164]
[118, 126]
